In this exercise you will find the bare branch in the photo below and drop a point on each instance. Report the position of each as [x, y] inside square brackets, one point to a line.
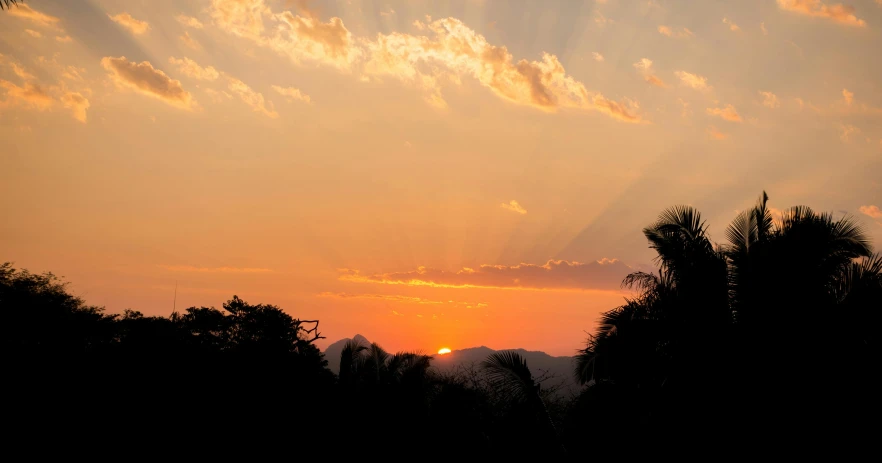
[316, 335]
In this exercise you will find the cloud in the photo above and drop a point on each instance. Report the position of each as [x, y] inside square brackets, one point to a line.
[189, 21]
[190, 268]
[147, 80]
[693, 80]
[292, 93]
[728, 113]
[304, 7]
[251, 98]
[64, 39]
[605, 274]
[77, 103]
[680, 34]
[126, 20]
[763, 28]
[30, 95]
[388, 13]
[33, 33]
[72, 73]
[26, 12]
[302, 39]
[644, 67]
[218, 96]
[458, 51]
[846, 131]
[452, 51]
[770, 100]
[872, 211]
[597, 56]
[843, 14]
[714, 133]
[848, 97]
[732, 26]
[514, 207]
[20, 72]
[190, 41]
[192, 69]
[403, 299]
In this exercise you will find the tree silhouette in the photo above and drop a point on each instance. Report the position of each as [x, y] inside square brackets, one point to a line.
[731, 331]
[510, 375]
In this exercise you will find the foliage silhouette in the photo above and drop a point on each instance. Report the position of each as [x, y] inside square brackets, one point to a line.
[725, 333]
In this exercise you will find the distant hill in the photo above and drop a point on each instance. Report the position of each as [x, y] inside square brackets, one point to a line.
[559, 370]
[333, 351]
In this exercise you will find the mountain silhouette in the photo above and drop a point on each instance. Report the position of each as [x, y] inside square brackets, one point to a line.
[554, 372]
[332, 352]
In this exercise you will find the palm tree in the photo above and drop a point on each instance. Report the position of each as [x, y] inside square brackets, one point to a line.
[509, 374]
[755, 314]
[373, 367]
[350, 361]
[679, 320]
[787, 277]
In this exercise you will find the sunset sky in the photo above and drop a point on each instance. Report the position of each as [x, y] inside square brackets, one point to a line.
[427, 174]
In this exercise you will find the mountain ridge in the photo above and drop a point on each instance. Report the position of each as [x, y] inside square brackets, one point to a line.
[554, 371]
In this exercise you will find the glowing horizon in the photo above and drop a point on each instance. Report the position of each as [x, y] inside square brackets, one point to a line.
[443, 173]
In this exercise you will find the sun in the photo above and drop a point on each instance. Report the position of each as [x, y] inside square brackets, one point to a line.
[443, 350]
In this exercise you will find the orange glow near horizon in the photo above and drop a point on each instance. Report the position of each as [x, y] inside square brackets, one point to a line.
[420, 173]
[443, 350]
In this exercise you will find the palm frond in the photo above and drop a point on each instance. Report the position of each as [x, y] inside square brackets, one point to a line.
[641, 281]
[510, 375]
[5, 4]
[681, 219]
[851, 236]
[408, 364]
[351, 358]
[860, 278]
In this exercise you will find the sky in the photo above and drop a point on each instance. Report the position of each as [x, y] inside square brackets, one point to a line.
[425, 173]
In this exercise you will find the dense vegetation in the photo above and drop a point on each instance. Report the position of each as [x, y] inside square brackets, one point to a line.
[773, 334]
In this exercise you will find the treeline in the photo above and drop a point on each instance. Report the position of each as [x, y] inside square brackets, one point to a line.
[771, 339]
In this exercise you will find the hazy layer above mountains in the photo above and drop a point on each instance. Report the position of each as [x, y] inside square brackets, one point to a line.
[552, 371]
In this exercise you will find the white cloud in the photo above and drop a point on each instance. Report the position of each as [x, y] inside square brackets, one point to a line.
[77, 103]
[147, 80]
[682, 33]
[190, 42]
[126, 20]
[451, 52]
[732, 26]
[871, 210]
[644, 67]
[292, 93]
[693, 80]
[514, 207]
[253, 99]
[189, 21]
[770, 100]
[837, 12]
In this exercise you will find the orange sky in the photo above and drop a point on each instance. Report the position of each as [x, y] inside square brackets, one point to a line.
[427, 174]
